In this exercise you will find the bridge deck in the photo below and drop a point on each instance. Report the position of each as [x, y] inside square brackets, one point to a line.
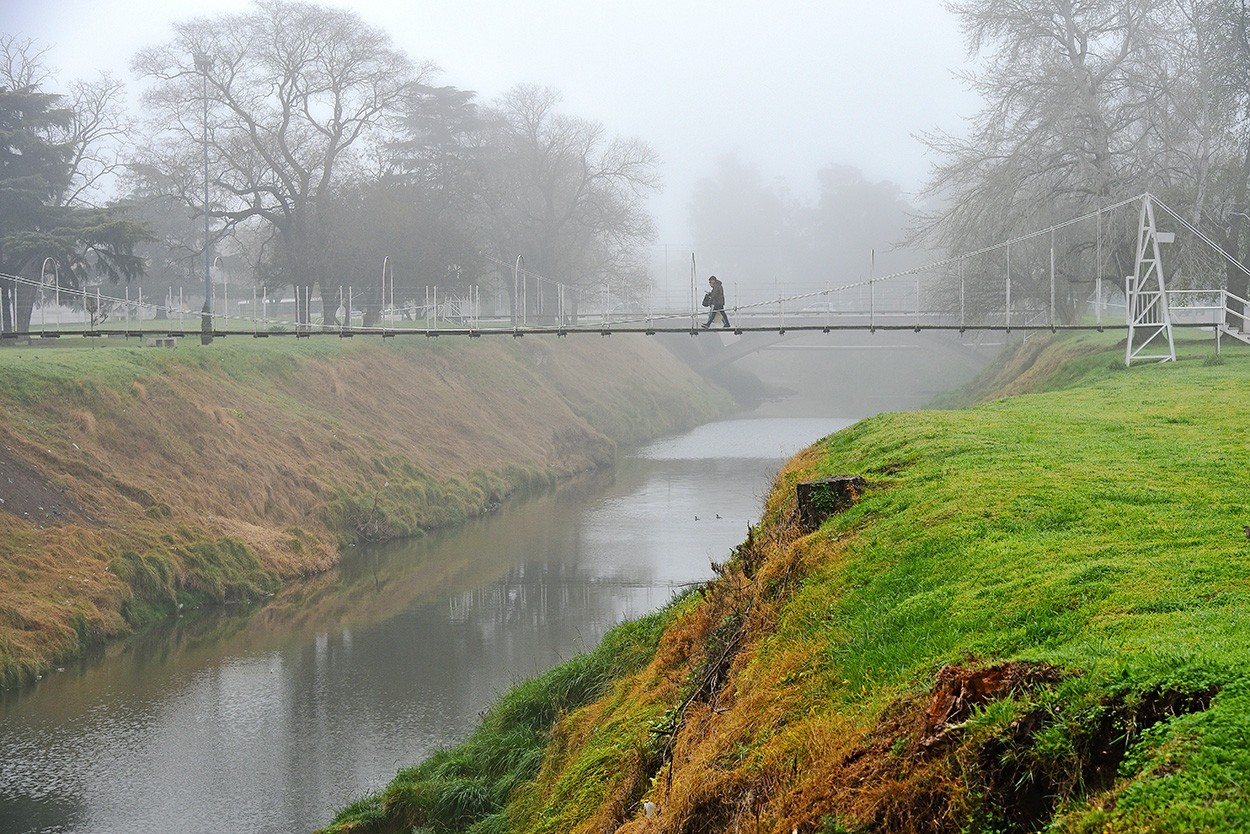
[601, 330]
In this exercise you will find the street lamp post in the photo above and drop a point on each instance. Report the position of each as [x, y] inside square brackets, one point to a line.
[202, 65]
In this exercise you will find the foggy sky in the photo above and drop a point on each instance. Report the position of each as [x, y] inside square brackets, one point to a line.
[790, 85]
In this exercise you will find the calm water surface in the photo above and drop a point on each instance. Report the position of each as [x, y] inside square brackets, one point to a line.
[270, 720]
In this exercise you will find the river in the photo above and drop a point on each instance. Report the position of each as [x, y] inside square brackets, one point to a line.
[271, 719]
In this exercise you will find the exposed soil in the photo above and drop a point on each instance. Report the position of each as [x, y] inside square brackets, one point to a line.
[918, 771]
[26, 493]
[959, 689]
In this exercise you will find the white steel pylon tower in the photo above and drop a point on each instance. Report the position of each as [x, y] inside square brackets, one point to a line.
[1147, 308]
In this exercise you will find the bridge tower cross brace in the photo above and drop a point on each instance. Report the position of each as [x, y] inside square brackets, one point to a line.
[1147, 307]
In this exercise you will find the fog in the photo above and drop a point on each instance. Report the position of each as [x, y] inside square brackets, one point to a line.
[790, 87]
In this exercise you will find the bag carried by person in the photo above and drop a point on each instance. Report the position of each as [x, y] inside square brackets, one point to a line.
[707, 299]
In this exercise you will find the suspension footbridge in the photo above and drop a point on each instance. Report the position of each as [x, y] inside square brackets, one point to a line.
[1104, 270]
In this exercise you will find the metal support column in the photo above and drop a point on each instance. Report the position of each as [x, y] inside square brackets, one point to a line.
[1149, 322]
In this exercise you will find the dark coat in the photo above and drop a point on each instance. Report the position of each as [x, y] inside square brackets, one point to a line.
[716, 296]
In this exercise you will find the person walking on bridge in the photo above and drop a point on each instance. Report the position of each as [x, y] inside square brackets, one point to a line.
[715, 299]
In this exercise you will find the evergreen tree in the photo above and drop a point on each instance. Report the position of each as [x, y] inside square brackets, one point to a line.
[36, 168]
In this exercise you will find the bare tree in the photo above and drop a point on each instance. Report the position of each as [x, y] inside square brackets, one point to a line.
[1075, 101]
[292, 91]
[738, 217]
[563, 193]
[99, 137]
[22, 63]
[1210, 139]
[98, 128]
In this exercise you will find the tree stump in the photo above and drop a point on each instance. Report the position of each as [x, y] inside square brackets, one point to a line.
[818, 500]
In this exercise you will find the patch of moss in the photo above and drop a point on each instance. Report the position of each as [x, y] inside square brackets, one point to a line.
[187, 576]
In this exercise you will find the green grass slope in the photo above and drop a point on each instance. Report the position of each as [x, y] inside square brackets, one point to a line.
[1033, 619]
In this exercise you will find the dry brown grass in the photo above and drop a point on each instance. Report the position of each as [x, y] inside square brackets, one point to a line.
[190, 454]
[770, 753]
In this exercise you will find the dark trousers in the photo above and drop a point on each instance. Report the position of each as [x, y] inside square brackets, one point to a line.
[711, 317]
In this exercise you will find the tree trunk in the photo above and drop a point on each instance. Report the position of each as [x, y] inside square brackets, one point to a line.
[1236, 280]
[373, 302]
[303, 298]
[330, 302]
[550, 303]
[26, 296]
[8, 289]
[18, 302]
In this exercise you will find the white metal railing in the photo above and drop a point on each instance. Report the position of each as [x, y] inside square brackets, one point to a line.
[892, 301]
[130, 313]
[1210, 308]
[1196, 313]
[1241, 311]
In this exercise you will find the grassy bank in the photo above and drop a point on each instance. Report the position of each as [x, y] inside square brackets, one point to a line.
[137, 481]
[1033, 619]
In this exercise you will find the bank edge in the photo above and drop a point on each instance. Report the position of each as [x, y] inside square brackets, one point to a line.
[140, 483]
[1034, 618]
